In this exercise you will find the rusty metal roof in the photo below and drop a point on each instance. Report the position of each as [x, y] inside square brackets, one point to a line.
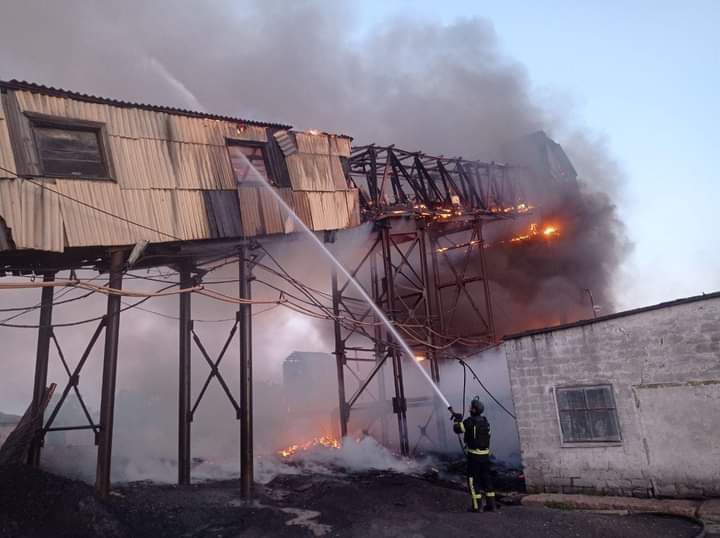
[59, 92]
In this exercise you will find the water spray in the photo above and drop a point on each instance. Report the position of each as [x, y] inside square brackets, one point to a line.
[376, 309]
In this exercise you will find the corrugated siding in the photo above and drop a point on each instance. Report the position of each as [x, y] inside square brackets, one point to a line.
[223, 210]
[32, 214]
[352, 198]
[173, 176]
[192, 220]
[85, 226]
[250, 214]
[142, 163]
[7, 160]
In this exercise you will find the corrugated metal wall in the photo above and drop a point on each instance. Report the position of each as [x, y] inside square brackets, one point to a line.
[172, 175]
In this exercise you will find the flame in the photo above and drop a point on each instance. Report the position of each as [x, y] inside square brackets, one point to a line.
[548, 232]
[327, 442]
[419, 358]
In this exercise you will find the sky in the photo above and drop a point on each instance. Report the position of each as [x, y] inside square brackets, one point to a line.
[645, 78]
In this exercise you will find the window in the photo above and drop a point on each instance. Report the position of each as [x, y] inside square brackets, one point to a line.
[246, 156]
[70, 149]
[588, 414]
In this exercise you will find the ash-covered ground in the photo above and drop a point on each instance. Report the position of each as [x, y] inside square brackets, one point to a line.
[325, 502]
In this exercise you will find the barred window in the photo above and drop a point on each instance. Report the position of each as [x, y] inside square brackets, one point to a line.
[588, 414]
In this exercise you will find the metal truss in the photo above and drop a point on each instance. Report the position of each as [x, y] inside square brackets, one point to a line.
[388, 177]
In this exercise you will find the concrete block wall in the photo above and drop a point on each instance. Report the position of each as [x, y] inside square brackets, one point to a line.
[664, 367]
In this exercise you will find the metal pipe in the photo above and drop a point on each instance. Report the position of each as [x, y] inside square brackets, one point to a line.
[246, 397]
[41, 367]
[340, 359]
[109, 377]
[184, 388]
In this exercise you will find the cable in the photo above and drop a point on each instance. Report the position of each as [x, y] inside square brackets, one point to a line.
[90, 206]
[466, 365]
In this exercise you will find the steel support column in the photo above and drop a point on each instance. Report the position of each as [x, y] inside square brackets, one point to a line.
[246, 397]
[41, 365]
[400, 403]
[340, 358]
[379, 348]
[184, 389]
[109, 377]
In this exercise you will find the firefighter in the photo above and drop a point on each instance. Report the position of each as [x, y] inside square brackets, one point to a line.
[476, 435]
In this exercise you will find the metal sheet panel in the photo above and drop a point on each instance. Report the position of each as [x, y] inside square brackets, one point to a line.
[352, 198]
[32, 214]
[142, 208]
[271, 211]
[202, 167]
[289, 224]
[310, 172]
[86, 226]
[192, 220]
[141, 163]
[7, 159]
[212, 131]
[320, 220]
[250, 210]
[313, 143]
[223, 210]
[286, 141]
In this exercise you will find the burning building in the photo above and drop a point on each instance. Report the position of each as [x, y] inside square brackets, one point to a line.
[458, 251]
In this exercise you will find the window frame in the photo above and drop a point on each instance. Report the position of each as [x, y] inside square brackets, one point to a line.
[589, 443]
[37, 120]
[257, 144]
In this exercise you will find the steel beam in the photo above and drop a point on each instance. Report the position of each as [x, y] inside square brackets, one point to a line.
[400, 408]
[340, 358]
[41, 366]
[109, 377]
[184, 389]
[246, 397]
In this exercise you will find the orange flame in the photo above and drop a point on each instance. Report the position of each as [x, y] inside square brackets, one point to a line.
[327, 442]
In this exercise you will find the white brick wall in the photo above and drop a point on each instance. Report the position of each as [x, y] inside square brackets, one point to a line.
[664, 366]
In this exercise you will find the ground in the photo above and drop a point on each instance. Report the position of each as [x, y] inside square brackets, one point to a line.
[34, 504]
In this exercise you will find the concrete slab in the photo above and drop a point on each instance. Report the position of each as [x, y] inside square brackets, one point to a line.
[677, 507]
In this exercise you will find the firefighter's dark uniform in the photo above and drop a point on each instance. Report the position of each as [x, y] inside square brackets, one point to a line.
[476, 434]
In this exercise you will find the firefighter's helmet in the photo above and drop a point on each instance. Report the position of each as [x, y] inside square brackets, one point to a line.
[476, 406]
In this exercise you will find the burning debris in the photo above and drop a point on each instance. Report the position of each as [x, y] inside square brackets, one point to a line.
[322, 441]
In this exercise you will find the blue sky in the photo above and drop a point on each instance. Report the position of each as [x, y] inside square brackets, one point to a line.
[645, 76]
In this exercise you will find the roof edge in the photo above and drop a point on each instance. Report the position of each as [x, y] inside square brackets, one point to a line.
[22, 85]
[622, 314]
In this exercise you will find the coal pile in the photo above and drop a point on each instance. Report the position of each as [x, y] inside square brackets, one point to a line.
[36, 504]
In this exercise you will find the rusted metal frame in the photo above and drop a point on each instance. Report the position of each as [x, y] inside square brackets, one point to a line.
[460, 280]
[486, 282]
[418, 189]
[433, 237]
[215, 371]
[400, 195]
[424, 176]
[354, 272]
[185, 412]
[246, 387]
[74, 378]
[423, 432]
[464, 183]
[447, 178]
[372, 177]
[461, 288]
[42, 358]
[379, 348]
[405, 257]
[339, 355]
[466, 280]
[359, 379]
[367, 381]
[400, 404]
[109, 377]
